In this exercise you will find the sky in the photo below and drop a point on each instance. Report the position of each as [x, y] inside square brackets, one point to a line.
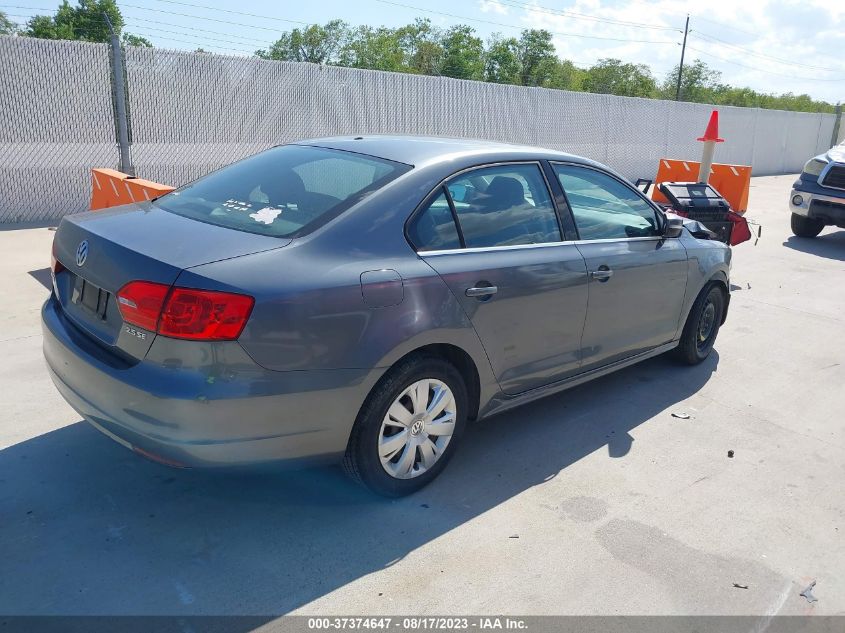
[772, 46]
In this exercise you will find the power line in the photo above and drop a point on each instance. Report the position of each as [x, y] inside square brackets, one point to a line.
[512, 2]
[726, 26]
[188, 4]
[199, 42]
[193, 28]
[583, 16]
[511, 26]
[201, 17]
[770, 72]
[144, 32]
[251, 15]
[713, 38]
[14, 6]
[201, 38]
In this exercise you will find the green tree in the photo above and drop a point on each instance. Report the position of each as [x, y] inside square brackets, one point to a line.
[7, 27]
[612, 76]
[135, 40]
[420, 44]
[463, 53]
[699, 82]
[81, 22]
[501, 62]
[803, 103]
[565, 76]
[44, 27]
[377, 49]
[316, 44]
[743, 97]
[537, 57]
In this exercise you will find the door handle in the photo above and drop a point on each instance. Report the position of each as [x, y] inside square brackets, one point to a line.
[481, 291]
[602, 274]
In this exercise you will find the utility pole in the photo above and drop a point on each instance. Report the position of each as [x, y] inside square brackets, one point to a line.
[122, 120]
[681, 67]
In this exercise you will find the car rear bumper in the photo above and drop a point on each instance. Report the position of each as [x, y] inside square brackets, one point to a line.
[210, 414]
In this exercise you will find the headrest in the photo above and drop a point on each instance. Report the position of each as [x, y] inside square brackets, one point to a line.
[285, 188]
[505, 192]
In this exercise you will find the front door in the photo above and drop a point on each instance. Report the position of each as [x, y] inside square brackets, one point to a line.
[524, 290]
[637, 278]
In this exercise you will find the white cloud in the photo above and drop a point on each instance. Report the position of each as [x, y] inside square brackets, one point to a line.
[491, 6]
[807, 32]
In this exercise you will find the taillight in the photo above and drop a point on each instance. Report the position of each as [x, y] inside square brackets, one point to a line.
[55, 265]
[140, 303]
[184, 312]
[204, 314]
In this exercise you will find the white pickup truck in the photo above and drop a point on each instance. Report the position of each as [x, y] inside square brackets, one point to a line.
[818, 196]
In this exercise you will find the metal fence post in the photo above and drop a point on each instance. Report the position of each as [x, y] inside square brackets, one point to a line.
[119, 95]
[835, 136]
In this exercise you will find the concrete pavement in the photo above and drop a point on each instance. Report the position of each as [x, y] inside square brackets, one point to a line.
[594, 501]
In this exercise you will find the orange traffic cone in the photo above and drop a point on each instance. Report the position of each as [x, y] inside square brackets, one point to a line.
[712, 132]
[710, 138]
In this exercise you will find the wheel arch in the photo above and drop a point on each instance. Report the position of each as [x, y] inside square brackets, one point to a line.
[720, 280]
[461, 360]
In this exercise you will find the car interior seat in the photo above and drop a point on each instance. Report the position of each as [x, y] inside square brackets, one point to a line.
[503, 192]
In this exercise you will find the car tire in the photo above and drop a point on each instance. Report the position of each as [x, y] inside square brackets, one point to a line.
[803, 226]
[702, 325]
[377, 430]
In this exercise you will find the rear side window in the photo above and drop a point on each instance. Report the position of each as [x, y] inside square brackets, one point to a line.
[434, 227]
[283, 192]
[504, 205]
[603, 207]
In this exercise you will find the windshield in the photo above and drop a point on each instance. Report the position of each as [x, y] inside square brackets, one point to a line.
[283, 192]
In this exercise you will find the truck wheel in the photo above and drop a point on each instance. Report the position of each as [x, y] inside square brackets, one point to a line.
[803, 226]
[702, 326]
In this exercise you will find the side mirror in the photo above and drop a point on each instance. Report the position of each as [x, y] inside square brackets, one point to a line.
[674, 227]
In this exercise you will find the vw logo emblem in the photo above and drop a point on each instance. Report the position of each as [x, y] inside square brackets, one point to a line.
[82, 253]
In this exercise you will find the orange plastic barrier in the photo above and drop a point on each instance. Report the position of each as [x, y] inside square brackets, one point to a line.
[732, 181]
[111, 188]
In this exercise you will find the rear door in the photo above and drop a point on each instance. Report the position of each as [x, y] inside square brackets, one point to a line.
[637, 278]
[493, 235]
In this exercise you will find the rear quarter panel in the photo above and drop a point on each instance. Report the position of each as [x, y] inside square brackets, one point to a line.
[311, 315]
[708, 260]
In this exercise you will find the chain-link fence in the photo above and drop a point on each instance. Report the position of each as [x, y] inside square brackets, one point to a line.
[55, 124]
[193, 112]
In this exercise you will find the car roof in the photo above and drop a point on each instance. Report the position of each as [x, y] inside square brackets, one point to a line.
[420, 150]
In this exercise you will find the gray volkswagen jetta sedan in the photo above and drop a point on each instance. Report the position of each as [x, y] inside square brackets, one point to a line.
[360, 299]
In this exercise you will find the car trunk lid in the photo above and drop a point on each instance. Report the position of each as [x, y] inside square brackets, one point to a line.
[136, 242]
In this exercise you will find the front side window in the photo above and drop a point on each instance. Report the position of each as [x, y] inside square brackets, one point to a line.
[434, 228]
[285, 191]
[504, 205]
[605, 208]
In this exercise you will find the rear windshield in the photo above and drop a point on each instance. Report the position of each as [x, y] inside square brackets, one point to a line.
[283, 192]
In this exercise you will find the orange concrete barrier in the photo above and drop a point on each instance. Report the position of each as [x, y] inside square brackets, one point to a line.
[732, 181]
[111, 188]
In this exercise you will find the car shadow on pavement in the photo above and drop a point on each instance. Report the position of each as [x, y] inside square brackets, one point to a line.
[87, 527]
[42, 276]
[829, 245]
